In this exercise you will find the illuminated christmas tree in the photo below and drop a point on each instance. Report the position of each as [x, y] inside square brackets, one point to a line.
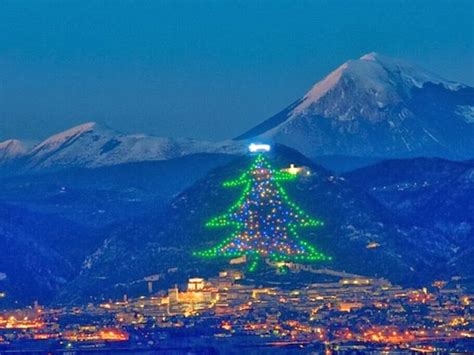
[265, 220]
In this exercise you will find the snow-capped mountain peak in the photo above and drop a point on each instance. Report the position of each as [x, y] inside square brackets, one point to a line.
[94, 145]
[61, 138]
[412, 74]
[384, 80]
[11, 149]
[377, 106]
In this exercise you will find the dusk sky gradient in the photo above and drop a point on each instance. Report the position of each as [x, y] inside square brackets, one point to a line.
[202, 69]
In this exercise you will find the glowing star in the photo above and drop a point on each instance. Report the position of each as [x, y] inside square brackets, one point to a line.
[255, 148]
[265, 220]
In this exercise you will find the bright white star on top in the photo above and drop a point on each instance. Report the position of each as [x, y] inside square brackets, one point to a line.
[256, 147]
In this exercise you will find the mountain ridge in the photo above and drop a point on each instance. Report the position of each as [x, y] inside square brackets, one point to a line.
[353, 219]
[11, 149]
[376, 106]
[92, 145]
[372, 107]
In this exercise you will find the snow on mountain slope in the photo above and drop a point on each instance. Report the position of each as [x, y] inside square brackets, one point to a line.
[389, 81]
[11, 149]
[94, 145]
[467, 112]
[377, 106]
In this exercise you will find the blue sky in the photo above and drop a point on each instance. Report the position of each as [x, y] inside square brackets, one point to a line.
[202, 69]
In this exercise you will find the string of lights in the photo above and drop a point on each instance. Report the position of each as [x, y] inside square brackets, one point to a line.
[265, 220]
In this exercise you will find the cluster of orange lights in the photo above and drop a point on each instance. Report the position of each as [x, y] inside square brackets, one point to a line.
[105, 334]
[226, 325]
[420, 297]
[23, 323]
[46, 336]
[39, 326]
[388, 335]
[113, 334]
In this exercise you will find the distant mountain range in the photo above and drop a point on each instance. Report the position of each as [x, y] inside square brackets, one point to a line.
[430, 192]
[96, 197]
[92, 145]
[377, 106]
[372, 107]
[90, 212]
